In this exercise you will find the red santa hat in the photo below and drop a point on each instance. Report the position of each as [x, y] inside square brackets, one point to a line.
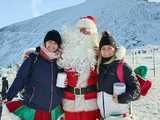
[88, 22]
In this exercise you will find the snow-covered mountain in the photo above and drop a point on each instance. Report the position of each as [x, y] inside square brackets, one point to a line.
[132, 22]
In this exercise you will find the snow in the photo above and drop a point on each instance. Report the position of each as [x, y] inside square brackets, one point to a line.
[134, 23]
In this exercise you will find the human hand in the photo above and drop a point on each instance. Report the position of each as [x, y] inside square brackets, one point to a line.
[115, 98]
[3, 101]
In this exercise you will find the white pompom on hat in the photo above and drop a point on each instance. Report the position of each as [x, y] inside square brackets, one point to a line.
[88, 22]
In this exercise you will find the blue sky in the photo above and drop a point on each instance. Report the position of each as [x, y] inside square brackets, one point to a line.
[12, 11]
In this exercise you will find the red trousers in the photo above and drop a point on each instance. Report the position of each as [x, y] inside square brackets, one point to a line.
[88, 115]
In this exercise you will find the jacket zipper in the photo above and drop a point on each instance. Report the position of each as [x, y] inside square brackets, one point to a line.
[103, 105]
[50, 106]
[30, 99]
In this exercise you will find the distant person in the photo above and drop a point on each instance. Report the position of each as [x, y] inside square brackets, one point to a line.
[4, 87]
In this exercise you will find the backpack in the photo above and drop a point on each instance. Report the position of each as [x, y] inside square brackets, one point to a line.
[145, 85]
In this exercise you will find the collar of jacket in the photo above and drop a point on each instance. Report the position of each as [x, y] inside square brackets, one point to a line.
[110, 61]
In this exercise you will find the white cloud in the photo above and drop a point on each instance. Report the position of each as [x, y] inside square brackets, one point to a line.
[36, 7]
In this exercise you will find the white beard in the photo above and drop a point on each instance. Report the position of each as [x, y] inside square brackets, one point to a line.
[78, 53]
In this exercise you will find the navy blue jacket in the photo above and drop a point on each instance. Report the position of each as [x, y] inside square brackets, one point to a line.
[39, 81]
[108, 76]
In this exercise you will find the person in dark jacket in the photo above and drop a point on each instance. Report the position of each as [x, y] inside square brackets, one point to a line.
[4, 87]
[38, 75]
[111, 104]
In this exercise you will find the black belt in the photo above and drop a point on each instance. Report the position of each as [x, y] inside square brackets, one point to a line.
[80, 91]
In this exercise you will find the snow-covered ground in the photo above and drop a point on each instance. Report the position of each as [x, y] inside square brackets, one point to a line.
[147, 108]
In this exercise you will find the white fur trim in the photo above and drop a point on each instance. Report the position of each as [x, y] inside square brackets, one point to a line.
[121, 53]
[27, 52]
[87, 23]
[80, 104]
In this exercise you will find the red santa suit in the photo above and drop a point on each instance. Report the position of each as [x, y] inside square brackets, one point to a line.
[78, 58]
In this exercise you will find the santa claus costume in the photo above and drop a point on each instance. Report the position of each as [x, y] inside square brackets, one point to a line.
[79, 61]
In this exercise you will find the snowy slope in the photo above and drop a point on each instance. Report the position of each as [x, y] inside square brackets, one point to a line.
[133, 23]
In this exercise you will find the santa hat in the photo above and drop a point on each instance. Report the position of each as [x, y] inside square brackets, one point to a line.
[88, 22]
[145, 85]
